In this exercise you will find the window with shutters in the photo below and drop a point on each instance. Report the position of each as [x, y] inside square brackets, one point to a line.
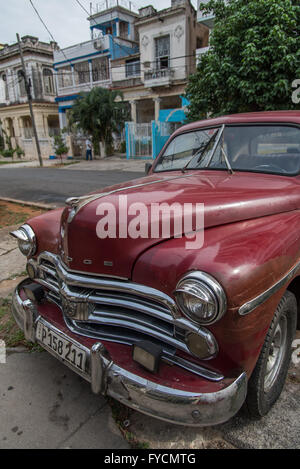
[162, 52]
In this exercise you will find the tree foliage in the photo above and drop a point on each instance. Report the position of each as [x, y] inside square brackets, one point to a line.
[99, 113]
[60, 146]
[253, 60]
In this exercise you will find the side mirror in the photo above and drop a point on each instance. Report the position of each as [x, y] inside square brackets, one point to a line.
[148, 167]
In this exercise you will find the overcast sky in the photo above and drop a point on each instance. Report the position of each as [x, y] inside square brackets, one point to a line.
[65, 19]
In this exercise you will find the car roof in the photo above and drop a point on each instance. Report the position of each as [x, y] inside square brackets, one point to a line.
[286, 117]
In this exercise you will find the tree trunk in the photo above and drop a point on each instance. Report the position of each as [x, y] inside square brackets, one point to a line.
[102, 149]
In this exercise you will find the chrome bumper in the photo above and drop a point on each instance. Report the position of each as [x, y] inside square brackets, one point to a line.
[165, 403]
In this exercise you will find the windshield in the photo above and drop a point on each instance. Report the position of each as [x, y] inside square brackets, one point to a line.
[259, 148]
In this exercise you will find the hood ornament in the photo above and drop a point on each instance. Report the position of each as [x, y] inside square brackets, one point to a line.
[73, 201]
[76, 203]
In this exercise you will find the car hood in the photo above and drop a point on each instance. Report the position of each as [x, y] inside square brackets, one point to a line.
[226, 198]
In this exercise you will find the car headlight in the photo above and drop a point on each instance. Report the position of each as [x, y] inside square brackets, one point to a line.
[26, 240]
[201, 298]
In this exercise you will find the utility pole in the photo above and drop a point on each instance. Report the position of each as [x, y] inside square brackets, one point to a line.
[28, 85]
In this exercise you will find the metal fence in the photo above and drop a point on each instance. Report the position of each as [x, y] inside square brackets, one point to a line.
[147, 140]
[138, 140]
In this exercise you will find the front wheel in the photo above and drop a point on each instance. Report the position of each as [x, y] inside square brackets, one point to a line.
[269, 375]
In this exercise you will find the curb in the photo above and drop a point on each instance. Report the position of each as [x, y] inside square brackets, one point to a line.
[13, 350]
[29, 204]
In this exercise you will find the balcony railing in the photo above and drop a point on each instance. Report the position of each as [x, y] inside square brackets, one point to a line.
[128, 82]
[159, 74]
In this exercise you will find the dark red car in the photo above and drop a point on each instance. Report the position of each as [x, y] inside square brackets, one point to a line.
[178, 294]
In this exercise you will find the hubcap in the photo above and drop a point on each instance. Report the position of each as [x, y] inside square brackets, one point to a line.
[276, 354]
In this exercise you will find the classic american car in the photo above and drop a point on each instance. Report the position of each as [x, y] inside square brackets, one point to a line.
[187, 333]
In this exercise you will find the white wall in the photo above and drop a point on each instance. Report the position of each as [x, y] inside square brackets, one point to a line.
[175, 26]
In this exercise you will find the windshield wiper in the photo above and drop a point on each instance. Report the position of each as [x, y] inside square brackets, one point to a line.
[199, 153]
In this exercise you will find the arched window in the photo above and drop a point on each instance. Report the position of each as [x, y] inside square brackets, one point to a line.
[21, 83]
[48, 81]
[3, 88]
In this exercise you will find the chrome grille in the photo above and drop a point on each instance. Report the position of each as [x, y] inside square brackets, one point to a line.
[117, 310]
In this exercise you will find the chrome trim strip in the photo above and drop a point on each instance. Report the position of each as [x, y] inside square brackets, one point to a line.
[22, 309]
[77, 203]
[216, 144]
[163, 402]
[193, 368]
[109, 284]
[116, 277]
[174, 405]
[260, 299]
[163, 309]
[140, 291]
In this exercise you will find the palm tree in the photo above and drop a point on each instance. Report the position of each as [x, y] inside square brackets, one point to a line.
[99, 114]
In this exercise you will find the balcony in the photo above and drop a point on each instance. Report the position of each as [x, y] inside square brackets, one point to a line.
[81, 51]
[206, 19]
[159, 77]
[201, 51]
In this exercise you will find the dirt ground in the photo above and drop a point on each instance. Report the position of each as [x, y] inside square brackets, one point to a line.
[15, 214]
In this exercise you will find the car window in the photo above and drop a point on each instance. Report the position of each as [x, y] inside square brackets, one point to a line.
[257, 148]
[184, 147]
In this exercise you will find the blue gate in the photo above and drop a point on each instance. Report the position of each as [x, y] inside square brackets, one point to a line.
[161, 132]
[138, 140]
[147, 140]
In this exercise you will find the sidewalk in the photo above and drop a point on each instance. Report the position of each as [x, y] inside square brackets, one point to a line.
[112, 163]
[47, 406]
[43, 403]
[12, 262]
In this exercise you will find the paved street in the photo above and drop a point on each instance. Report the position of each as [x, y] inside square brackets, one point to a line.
[53, 186]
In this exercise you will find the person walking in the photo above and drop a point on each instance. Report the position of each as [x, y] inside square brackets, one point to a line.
[89, 146]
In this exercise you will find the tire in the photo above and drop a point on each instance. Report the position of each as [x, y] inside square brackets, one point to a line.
[268, 378]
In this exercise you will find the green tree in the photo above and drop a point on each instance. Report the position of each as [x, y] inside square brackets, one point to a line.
[99, 113]
[60, 147]
[253, 60]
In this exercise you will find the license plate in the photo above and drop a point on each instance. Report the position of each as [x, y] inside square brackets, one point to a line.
[64, 349]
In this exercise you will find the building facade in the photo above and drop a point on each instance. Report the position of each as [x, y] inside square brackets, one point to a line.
[148, 55]
[87, 65]
[155, 79]
[15, 117]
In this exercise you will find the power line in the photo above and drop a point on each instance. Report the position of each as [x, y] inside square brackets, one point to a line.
[96, 24]
[41, 20]
[80, 4]
[47, 29]
[85, 10]
[149, 61]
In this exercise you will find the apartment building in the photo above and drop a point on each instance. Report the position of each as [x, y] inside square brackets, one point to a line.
[155, 79]
[87, 65]
[147, 54]
[15, 120]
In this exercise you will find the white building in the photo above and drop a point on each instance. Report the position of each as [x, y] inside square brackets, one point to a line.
[87, 65]
[205, 19]
[147, 55]
[155, 78]
[14, 111]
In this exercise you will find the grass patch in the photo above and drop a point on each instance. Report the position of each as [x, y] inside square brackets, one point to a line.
[13, 162]
[16, 214]
[69, 163]
[10, 332]
[121, 415]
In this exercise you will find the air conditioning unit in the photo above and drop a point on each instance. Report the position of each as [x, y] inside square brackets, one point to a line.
[98, 44]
